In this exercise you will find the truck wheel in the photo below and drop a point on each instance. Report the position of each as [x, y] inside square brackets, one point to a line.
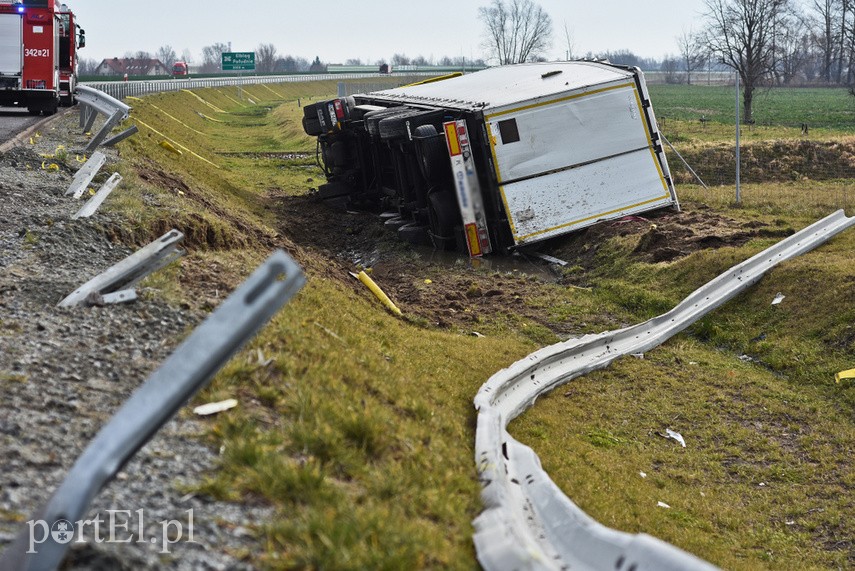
[33, 110]
[373, 118]
[414, 234]
[404, 125]
[312, 126]
[431, 151]
[51, 108]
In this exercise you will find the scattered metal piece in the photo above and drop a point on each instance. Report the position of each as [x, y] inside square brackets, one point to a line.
[673, 435]
[778, 298]
[528, 522]
[124, 296]
[130, 270]
[94, 203]
[548, 258]
[85, 174]
[181, 376]
[663, 505]
[215, 407]
[133, 130]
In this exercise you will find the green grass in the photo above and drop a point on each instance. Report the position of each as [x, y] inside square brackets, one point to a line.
[359, 433]
[831, 109]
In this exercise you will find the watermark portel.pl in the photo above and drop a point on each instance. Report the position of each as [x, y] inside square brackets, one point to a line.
[119, 527]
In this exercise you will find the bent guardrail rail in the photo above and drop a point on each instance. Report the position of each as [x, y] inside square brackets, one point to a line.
[92, 101]
[180, 377]
[129, 271]
[528, 523]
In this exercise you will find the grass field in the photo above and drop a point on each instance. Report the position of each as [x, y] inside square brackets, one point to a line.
[360, 431]
[829, 109]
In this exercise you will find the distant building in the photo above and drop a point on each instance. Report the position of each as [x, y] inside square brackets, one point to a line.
[131, 66]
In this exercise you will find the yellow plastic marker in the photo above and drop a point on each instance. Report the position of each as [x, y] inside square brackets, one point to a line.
[50, 167]
[158, 133]
[850, 374]
[378, 293]
[168, 146]
[79, 160]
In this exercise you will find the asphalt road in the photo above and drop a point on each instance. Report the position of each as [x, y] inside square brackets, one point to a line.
[13, 121]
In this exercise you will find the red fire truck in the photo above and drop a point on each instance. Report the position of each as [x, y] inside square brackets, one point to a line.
[39, 40]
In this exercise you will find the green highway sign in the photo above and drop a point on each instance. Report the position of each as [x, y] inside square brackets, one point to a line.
[238, 61]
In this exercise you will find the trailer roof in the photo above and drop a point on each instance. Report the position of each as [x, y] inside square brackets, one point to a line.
[505, 85]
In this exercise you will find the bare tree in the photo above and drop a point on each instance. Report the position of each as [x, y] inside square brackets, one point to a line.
[167, 56]
[741, 32]
[792, 46]
[87, 66]
[212, 57]
[693, 52]
[669, 67]
[516, 30]
[400, 59]
[568, 39]
[265, 58]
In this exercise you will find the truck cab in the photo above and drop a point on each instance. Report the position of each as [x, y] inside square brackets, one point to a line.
[179, 69]
[38, 55]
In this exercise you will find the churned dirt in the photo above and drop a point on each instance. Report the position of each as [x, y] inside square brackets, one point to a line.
[449, 290]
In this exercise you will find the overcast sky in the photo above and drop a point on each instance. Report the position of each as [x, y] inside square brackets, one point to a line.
[370, 29]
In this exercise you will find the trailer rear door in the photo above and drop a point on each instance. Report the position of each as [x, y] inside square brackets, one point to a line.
[566, 162]
[11, 44]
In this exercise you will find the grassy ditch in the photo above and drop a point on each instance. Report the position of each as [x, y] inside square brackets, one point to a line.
[358, 427]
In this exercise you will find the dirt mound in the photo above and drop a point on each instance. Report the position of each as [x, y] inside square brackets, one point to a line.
[664, 236]
[449, 290]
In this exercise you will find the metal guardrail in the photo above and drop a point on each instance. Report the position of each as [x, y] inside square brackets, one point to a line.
[129, 271]
[92, 101]
[181, 376]
[122, 89]
[528, 522]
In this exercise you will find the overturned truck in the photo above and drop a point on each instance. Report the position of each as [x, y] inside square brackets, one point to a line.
[498, 159]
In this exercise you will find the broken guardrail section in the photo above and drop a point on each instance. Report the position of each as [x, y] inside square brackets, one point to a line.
[128, 272]
[181, 376]
[528, 523]
[92, 205]
[92, 102]
[85, 174]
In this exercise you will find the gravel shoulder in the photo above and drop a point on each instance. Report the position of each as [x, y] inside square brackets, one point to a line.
[63, 373]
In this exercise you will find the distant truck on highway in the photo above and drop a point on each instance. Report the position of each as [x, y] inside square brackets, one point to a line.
[39, 40]
[179, 69]
[498, 159]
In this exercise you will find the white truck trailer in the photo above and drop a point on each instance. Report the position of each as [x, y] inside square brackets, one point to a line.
[497, 159]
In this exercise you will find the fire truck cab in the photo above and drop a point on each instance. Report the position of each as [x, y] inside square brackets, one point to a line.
[39, 40]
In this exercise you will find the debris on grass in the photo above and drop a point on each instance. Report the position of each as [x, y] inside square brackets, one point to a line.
[215, 407]
[778, 298]
[675, 436]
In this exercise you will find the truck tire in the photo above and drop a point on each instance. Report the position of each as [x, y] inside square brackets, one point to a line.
[414, 234]
[373, 118]
[432, 152]
[311, 110]
[404, 125]
[312, 126]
